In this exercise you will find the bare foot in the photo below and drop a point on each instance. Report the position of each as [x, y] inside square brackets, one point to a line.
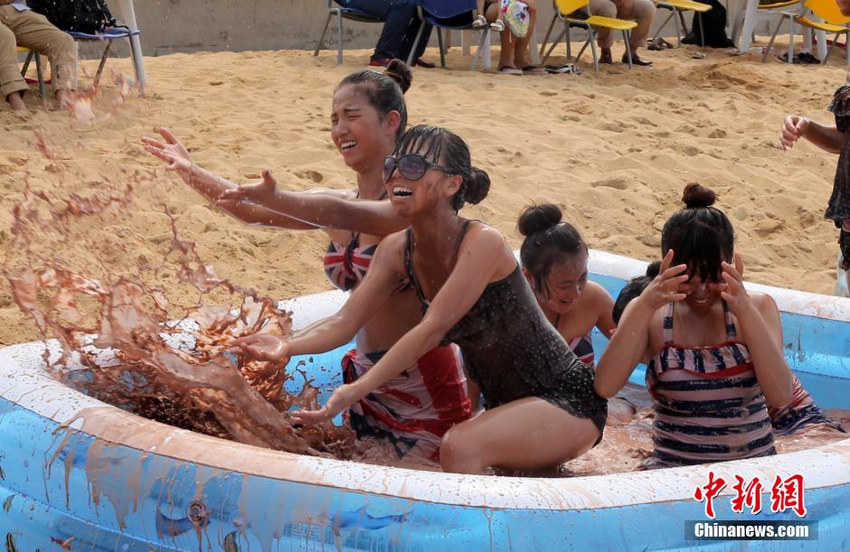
[16, 102]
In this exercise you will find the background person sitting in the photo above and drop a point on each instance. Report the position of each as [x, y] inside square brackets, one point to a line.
[642, 11]
[20, 26]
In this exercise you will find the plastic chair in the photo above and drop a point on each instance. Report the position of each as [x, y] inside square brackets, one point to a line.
[450, 15]
[749, 14]
[833, 22]
[42, 91]
[677, 9]
[343, 13]
[569, 12]
[108, 35]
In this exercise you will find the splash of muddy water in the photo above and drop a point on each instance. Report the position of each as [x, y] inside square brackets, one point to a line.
[196, 386]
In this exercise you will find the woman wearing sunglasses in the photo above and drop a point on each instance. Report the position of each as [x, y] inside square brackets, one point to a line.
[542, 409]
[415, 409]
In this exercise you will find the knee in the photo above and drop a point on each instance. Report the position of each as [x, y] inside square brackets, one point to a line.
[604, 8]
[645, 11]
[62, 46]
[458, 453]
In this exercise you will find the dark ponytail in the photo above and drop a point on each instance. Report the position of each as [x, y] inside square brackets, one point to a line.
[548, 241]
[700, 235]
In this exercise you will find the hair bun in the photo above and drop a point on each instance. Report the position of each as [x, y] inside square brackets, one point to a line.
[653, 269]
[537, 218]
[399, 72]
[477, 187]
[696, 196]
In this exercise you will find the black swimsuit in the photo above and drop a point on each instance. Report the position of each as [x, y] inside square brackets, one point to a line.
[839, 203]
[513, 352]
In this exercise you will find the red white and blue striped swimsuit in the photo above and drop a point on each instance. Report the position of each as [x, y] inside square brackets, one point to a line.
[708, 403]
[414, 409]
[582, 346]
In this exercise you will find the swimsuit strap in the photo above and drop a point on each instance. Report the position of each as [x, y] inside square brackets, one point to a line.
[667, 324]
[730, 322]
[408, 260]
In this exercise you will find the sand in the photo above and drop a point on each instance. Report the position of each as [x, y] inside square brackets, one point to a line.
[614, 149]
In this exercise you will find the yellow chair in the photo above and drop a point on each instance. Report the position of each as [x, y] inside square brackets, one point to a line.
[38, 68]
[833, 22]
[571, 13]
[677, 8]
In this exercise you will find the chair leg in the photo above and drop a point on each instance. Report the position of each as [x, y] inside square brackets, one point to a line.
[626, 39]
[339, 41]
[701, 30]
[678, 32]
[661, 27]
[324, 32]
[480, 51]
[27, 61]
[442, 50]
[770, 42]
[569, 41]
[591, 39]
[790, 40]
[102, 64]
[40, 71]
[554, 45]
[548, 32]
[416, 43]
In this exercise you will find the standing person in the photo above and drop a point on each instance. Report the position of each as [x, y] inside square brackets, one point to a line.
[716, 350]
[416, 408]
[515, 53]
[833, 139]
[554, 261]
[20, 26]
[401, 24]
[541, 407]
[642, 11]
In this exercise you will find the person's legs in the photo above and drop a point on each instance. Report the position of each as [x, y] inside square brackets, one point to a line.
[397, 15]
[605, 8]
[528, 434]
[12, 84]
[522, 53]
[642, 11]
[33, 30]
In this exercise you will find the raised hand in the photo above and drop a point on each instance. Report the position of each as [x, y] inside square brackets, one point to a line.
[793, 128]
[260, 193]
[666, 286]
[171, 151]
[342, 397]
[735, 294]
[263, 347]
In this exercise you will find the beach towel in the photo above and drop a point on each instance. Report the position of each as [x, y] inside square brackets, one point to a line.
[516, 16]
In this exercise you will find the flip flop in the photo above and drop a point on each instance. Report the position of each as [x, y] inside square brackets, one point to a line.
[533, 70]
[566, 68]
[508, 70]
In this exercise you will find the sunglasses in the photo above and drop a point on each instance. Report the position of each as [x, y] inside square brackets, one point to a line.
[411, 166]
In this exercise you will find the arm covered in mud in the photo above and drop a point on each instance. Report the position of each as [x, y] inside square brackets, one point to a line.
[211, 186]
[322, 210]
[338, 329]
[483, 256]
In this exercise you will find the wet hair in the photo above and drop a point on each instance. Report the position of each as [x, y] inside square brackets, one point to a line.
[548, 241]
[634, 288]
[384, 91]
[446, 148]
[700, 235]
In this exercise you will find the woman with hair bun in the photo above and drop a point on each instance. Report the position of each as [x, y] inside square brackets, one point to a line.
[369, 116]
[541, 406]
[716, 350]
[554, 261]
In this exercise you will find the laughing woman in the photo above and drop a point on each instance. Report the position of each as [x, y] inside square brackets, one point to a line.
[541, 406]
[414, 409]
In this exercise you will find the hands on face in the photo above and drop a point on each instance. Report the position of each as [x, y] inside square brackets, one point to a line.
[734, 293]
[666, 286]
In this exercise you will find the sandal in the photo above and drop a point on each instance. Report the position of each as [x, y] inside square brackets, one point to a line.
[569, 68]
[533, 70]
[509, 70]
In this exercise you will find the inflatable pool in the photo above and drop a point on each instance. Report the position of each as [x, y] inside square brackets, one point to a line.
[77, 474]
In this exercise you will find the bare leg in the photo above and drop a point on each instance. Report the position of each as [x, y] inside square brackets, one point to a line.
[16, 101]
[528, 434]
[523, 54]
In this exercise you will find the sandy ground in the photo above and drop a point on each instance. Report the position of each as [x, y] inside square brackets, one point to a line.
[614, 149]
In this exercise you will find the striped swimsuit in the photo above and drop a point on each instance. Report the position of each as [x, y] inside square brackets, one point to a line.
[708, 403]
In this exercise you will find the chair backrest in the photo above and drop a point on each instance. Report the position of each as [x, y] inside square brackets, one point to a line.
[566, 7]
[446, 9]
[828, 11]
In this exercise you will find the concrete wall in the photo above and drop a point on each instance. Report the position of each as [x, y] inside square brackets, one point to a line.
[212, 25]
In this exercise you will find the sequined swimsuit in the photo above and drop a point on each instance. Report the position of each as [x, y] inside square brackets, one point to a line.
[512, 350]
[839, 202]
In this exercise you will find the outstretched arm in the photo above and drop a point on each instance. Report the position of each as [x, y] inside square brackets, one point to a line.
[826, 137]
[211, 186]
[319, 210]
[631, 340]
[477, 265]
